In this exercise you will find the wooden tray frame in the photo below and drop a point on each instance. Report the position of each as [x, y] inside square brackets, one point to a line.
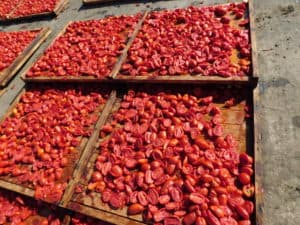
[8, 184]
[114, 71]
[9, 72]
[56, 11]
[94, 207]
[187, 79]
[251, 80]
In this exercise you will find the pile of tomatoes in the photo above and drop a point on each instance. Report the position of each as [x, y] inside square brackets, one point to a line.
[166, 156]
[16, 210]
[87, 48]
[12, 44]
[40, 137]
[31, 7]
[21, 8]
[192, 41]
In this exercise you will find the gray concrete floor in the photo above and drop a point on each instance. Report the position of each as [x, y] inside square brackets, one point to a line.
[278, 42]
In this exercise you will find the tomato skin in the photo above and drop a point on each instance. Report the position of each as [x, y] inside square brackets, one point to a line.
[246, 159]
[242, 212]
[246, 169]
[244, 178]
[244, 222]
[249, 206]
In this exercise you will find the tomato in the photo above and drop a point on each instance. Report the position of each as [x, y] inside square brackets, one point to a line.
[244, 178]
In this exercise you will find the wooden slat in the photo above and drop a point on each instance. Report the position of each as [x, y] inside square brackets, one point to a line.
[255, 72]
[66, 220]
[17, 188]
[185, 79]
[123, 57]
[9, 72]
[102, 215]
[77, 173]
[60, 7]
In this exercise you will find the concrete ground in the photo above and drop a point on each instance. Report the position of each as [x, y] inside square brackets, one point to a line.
[278, 42]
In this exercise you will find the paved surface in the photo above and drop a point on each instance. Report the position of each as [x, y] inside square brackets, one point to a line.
[278, 42]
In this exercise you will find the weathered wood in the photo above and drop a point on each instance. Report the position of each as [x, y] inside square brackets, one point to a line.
[64, 79]
[123, 57]
[79, 168]
[102, 215]
[186, 79]
[60, 7]
[66, 220]
[255, 72]
[17, 188]
[9, 72]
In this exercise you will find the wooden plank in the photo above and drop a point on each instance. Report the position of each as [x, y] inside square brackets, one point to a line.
[77, 173]
[90, 202]
[102, 215]
[66, 220]
[123, 57]
[258, 166]
[16, 188]
[9, 72]
[58, 9]
[255, 72]
[186, 79]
